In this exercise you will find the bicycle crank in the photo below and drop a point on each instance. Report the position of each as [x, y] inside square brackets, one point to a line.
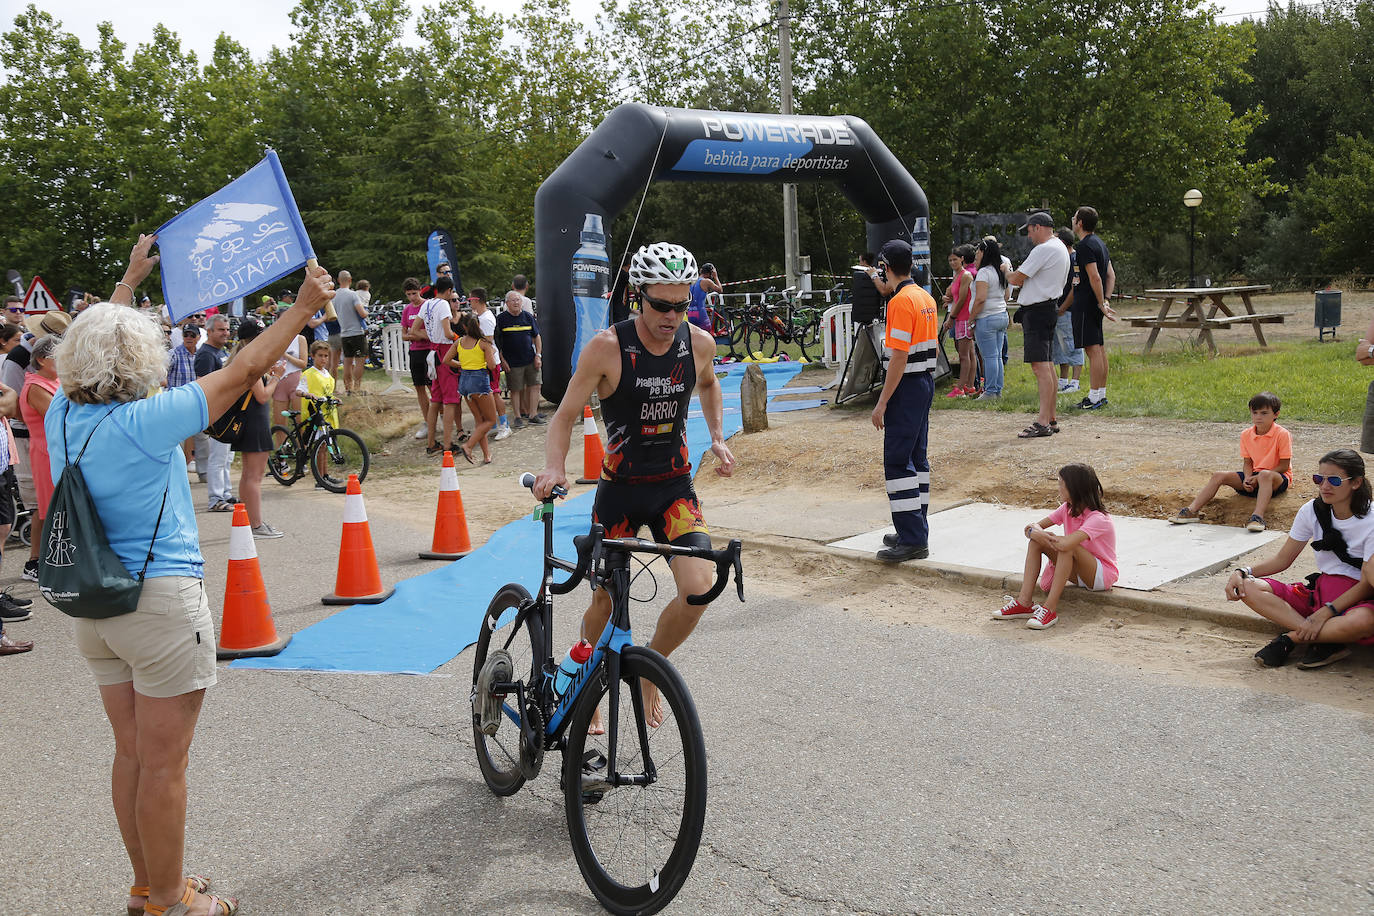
[532, 740]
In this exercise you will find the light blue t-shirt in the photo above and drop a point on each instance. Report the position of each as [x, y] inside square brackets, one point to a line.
[133, 457]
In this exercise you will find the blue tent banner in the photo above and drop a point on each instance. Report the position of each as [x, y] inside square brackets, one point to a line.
[239, 239]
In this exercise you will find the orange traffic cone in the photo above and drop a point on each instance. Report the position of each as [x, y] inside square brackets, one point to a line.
[451, 540]
[246, 630]
[592, 453]
[359, 580]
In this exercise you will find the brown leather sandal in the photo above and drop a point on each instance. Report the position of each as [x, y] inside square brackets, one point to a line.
[197, 883]
[219, 906]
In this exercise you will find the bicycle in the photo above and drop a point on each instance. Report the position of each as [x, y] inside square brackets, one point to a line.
[333, 453]
[635, 807]
[799, 324]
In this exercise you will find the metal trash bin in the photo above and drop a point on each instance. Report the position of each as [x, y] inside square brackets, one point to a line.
[1327, 313]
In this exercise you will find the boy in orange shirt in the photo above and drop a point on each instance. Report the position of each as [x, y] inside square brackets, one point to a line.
[1266, 451]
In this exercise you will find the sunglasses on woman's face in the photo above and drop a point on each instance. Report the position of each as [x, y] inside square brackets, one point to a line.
[663, 305]
[1334, 481]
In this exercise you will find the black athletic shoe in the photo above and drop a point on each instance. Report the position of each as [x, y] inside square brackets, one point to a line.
[1090, 404]
[904, 552]
[1321, 654]
[30, 573]
[1275, 654]
[17, 602]
[11, 612]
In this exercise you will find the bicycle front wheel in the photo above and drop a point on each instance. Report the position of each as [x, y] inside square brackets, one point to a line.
[636, 844]
[760, 339]
[337, 454]
[499, 754]
[809, 337]
[281, 461]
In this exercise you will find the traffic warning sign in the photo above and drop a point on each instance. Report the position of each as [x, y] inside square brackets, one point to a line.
[39, 298]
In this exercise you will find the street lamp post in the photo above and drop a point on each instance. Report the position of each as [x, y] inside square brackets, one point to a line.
[1191, 200]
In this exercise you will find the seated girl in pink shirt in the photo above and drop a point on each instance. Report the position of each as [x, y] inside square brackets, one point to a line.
[1085, 554]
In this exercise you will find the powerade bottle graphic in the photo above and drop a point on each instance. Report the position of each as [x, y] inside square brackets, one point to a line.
[591, 278]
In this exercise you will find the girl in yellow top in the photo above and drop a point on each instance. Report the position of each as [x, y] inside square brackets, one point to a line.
[473, 357]
[316, 382]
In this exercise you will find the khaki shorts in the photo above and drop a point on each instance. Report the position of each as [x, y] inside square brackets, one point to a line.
[166, 646]
[521, 377]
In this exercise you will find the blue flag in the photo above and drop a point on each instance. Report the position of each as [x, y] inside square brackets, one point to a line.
[239, 239]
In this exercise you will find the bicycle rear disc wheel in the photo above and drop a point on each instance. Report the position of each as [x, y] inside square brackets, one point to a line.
[498, 756]
[281, 461]
[337, 454]
[636, 844]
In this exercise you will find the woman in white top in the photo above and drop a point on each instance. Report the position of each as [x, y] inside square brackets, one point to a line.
[292, 363]
[988, 314]
[1333, 608]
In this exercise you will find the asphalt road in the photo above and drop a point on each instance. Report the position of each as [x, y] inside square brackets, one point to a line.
[855, 767]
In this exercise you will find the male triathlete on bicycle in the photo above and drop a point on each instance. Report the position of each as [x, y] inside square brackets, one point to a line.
[644, 371]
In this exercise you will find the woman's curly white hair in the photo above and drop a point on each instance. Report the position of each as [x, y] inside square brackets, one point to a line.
[111, 353]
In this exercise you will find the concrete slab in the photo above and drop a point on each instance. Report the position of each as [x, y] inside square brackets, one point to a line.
[1151, 552]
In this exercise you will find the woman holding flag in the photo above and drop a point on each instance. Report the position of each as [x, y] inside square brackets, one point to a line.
[153, 665]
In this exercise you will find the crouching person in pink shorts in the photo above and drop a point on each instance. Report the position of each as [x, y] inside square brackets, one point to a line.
[1335, 607]
[1084, 555]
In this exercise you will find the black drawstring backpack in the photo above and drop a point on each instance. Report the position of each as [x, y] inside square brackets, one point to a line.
[78, 572]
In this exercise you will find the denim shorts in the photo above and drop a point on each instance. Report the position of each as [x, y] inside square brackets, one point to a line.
[474, 381]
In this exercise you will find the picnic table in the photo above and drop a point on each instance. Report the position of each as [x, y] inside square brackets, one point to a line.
[1218, 314]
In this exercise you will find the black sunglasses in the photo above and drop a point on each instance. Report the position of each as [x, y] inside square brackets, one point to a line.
[1331, 479]
[663, 305]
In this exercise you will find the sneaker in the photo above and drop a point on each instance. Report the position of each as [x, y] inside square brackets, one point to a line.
[502, 433]
[17, 602]
[955, 392]
[1071, 385]
[1042, 619]
[267, 531]
[518, 423]
[30, 573]
[1090, 404]
[1012, 610]
[1319, 654]
[1256, 523]
[191, 466]
[1275, 654]
[422, 432]
[1063, 385]
[11, 612]
[985, 396]
[1185, 516]
[538, 419]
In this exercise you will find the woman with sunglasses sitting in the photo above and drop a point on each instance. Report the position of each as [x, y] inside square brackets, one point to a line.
[1335, 606]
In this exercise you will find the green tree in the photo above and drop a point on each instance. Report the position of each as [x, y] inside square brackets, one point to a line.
[1337, 199]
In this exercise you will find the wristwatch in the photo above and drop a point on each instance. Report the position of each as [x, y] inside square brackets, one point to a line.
[1369, 352]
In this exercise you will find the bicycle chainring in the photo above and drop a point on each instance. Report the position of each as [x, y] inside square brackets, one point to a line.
[532, 751]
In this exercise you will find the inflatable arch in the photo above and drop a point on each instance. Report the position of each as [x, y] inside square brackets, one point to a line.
[576, 204]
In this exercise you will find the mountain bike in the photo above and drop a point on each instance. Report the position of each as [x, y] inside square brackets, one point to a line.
[332, 453]
[780, 319]
[634, 798]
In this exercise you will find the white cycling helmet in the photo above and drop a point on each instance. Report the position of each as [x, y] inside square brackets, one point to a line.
[662, 262]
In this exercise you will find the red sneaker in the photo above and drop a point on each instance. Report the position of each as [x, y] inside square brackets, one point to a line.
[1012, 610]
[1042, 619]
[955, 392]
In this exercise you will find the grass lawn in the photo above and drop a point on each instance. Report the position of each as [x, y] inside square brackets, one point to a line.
[1317, 383]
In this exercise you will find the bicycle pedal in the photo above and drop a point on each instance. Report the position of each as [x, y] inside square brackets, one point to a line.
[499, 668]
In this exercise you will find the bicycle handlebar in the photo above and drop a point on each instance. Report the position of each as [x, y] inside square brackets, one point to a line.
[590, 547]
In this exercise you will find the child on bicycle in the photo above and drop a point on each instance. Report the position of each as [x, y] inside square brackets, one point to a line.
[1085, 554]
[317, 383]
[1266, 457]
[473, 357]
